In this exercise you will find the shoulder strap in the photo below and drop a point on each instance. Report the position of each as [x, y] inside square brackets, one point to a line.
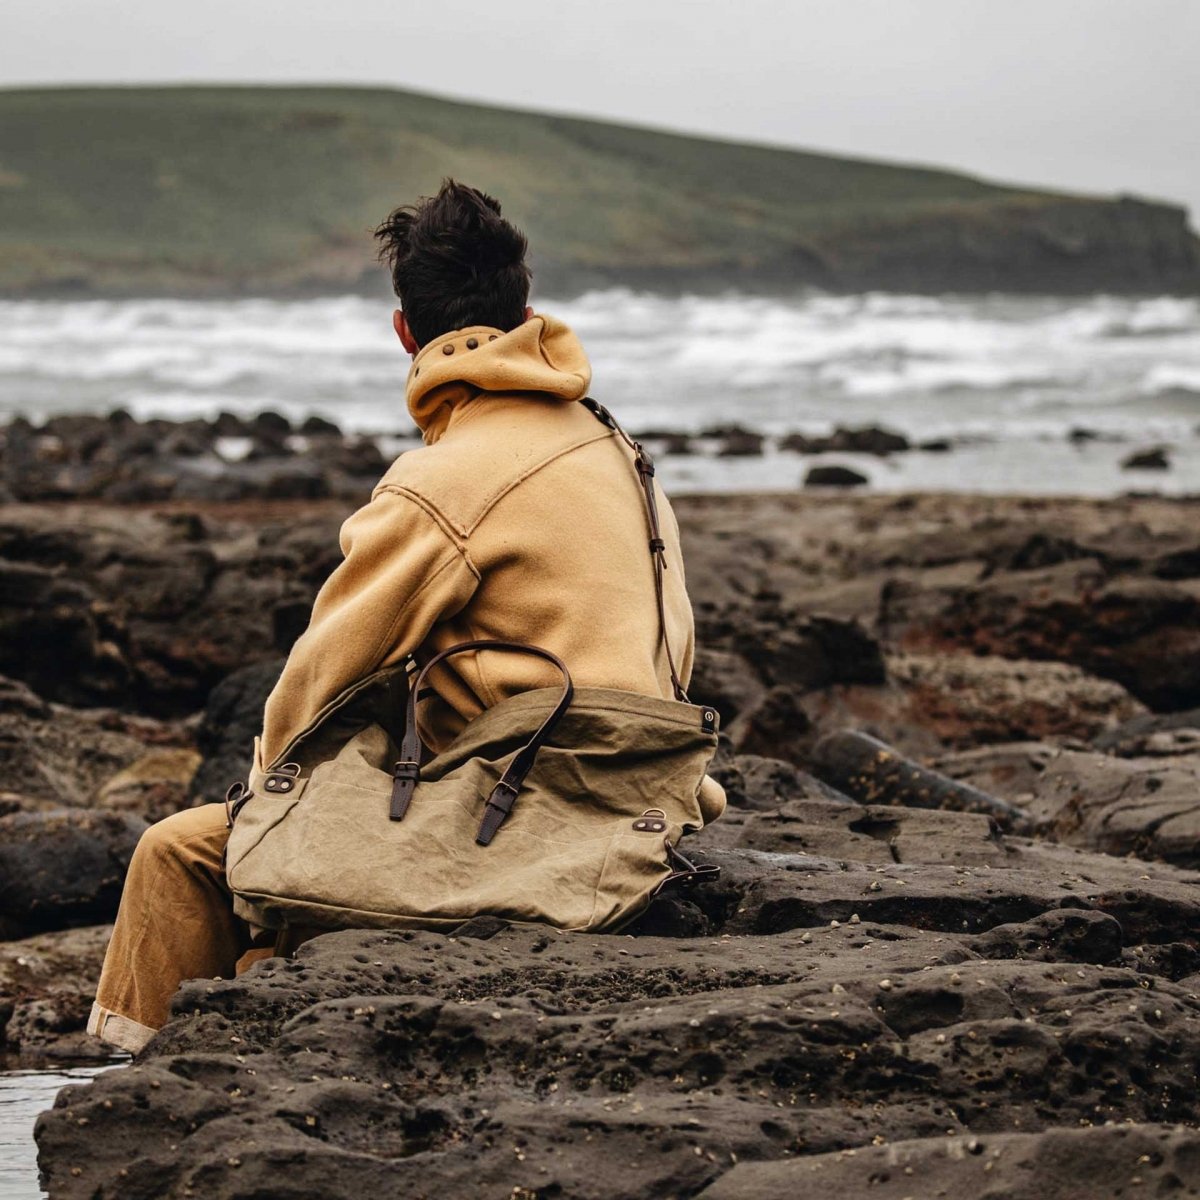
[644, 465]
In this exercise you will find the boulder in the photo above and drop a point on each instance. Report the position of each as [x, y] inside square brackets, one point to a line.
[1154, 459]
[1139, 805]
[47, 984]
[741, 443]
[838, 477]
[63, 866]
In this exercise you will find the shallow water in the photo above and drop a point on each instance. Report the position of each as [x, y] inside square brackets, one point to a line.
[1006, 376]
[23, 1095]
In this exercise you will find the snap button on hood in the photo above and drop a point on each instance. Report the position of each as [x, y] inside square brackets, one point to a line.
[541, 355]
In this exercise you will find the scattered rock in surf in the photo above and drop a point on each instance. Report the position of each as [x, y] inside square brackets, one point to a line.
[63, 866]
[1155, 459]
[741, 444]
[840, 477]
[936, 446]
[315, 426]
[869, 439]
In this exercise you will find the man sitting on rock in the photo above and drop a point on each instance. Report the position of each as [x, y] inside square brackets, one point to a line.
[519, 520]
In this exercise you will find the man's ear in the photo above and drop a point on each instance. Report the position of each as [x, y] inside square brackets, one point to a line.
[404, 333]
[528, 312]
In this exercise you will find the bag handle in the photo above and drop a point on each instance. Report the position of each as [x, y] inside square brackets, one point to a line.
[644, 466]
[407, 771]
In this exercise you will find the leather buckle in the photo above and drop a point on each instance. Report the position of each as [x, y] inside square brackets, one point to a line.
[406, 768]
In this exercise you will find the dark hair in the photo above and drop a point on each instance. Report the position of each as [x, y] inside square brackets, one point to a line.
[455, 261]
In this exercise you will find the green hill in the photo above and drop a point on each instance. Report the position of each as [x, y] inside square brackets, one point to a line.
[216, 189]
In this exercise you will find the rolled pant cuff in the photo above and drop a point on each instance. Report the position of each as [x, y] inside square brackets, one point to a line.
[117, 1030]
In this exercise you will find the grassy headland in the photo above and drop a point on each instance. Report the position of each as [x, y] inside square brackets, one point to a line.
[211, 190]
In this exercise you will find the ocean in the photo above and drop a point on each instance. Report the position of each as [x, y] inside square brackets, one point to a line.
[1006, 379]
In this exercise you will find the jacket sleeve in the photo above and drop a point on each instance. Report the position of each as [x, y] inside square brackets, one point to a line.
[401, 573]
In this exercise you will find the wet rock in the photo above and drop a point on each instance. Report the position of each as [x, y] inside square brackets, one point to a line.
[840, 477]
[865, 440]
[270, 424]
[230, 425]
[1155, 459]
[316, 426]
[727, 430]
[63, 866]
[741, 443]
[357, 457]
[798, 443]
[678, 444]
[47, 984]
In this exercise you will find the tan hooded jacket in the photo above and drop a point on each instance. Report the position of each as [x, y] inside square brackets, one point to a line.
[521, 519]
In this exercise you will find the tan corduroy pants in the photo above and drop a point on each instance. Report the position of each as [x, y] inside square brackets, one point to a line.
[176, 922]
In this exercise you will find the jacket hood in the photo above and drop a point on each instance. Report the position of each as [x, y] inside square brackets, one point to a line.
[541, 355]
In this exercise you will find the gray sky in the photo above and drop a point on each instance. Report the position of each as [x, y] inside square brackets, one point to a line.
[1091, 95]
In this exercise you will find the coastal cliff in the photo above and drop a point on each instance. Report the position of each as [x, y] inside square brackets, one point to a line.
[254, 190]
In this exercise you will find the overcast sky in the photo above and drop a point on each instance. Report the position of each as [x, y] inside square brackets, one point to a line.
[1097, 95]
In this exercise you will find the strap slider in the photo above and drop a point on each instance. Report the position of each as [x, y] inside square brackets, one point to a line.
[407, 768]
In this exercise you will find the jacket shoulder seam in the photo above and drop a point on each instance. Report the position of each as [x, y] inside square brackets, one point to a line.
[495, 498]
[456, 530]
[454, 533]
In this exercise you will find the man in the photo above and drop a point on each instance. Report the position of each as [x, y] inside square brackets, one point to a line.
[519, 520]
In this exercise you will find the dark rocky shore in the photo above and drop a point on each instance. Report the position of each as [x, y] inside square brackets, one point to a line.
[969, 964]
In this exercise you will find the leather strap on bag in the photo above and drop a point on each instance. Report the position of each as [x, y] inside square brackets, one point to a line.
[407, 772]
[645, 469]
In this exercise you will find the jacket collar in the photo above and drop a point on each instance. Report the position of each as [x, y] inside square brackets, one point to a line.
[541, 355]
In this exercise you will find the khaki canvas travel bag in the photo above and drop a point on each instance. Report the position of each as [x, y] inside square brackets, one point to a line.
[560, 806]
